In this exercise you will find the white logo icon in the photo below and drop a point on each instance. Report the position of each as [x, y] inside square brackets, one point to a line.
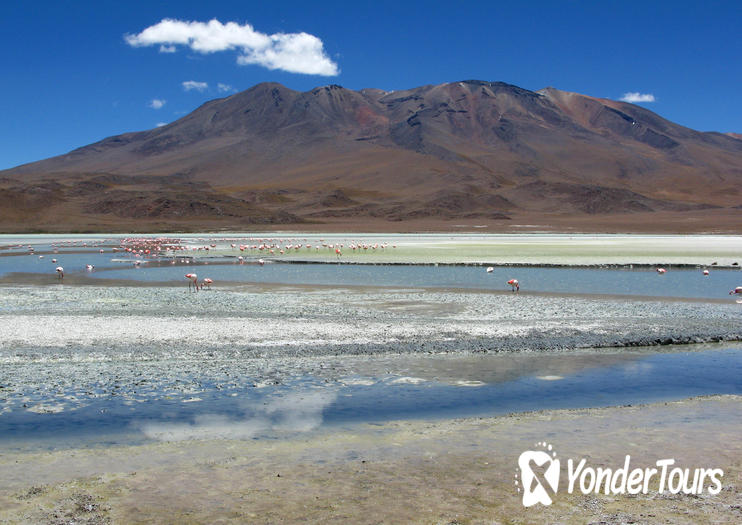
[539, 475]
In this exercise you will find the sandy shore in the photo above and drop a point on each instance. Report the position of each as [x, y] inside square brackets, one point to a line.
[450, 471]
[455, 247]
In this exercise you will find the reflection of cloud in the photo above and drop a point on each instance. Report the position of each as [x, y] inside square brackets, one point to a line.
[638, 368]
[300, 412]
[550, 378]
[297, 412]
[407, 380]
[469, 383]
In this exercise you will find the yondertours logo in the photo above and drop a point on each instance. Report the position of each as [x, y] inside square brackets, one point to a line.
[539, 474]
[539, 471]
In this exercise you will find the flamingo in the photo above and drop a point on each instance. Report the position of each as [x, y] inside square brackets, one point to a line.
[661, 271]
[60, 272]
[89, 267]
[490, 269]
[207, 283]
[737, 290]
[514, 284]
[705, 272]
[192, 280]
[261, 262]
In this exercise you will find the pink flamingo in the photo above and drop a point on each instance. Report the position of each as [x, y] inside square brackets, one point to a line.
[207, 283]
[661, 271]
[705, 272]
[60, 272]
[192, 280]
[514, 284]
[490, 269]
[737, 290]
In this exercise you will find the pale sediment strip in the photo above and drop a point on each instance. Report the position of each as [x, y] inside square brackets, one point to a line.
[400, 472]
[151, 323]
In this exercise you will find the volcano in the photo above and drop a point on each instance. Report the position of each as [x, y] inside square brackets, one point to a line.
[469, 154]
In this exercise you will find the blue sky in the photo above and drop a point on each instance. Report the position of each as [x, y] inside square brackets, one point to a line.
[72, 77]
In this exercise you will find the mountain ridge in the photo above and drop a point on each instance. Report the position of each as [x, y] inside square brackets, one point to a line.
[471, 150]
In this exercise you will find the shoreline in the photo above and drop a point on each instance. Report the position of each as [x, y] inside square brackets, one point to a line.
[19, 279]
[443, 471]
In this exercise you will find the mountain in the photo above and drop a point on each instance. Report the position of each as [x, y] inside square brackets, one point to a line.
[467, 154]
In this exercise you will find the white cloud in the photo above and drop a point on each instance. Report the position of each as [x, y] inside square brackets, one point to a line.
[160, 124]
[292, 52]
[167, 49]
[635, 97]
[225, 88]
[188, 85]
[157, 103]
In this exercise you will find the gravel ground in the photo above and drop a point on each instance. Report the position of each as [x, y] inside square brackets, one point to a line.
[112, 324]
[64, 348]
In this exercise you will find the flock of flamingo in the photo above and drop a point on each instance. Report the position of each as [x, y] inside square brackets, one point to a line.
[142, 249]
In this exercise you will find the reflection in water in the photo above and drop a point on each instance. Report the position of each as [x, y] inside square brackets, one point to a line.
[291, 412]
[346, 390]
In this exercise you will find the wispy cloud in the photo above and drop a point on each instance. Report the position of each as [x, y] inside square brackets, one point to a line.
[168, 49]
[225, 88]
[157, 103]
[189, 85]
[635, 97]
[292, 52]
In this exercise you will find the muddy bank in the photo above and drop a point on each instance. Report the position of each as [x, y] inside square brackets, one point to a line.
[400, 472]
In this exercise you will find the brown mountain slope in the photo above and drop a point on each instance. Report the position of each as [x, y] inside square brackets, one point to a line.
[468, 152]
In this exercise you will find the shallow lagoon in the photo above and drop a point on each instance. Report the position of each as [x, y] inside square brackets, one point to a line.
[344, 391]
[388, 269]
[113, 365]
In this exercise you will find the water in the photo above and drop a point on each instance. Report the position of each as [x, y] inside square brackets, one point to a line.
[687, 283]
[676, 283]
[486, 386]
[147, 377]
